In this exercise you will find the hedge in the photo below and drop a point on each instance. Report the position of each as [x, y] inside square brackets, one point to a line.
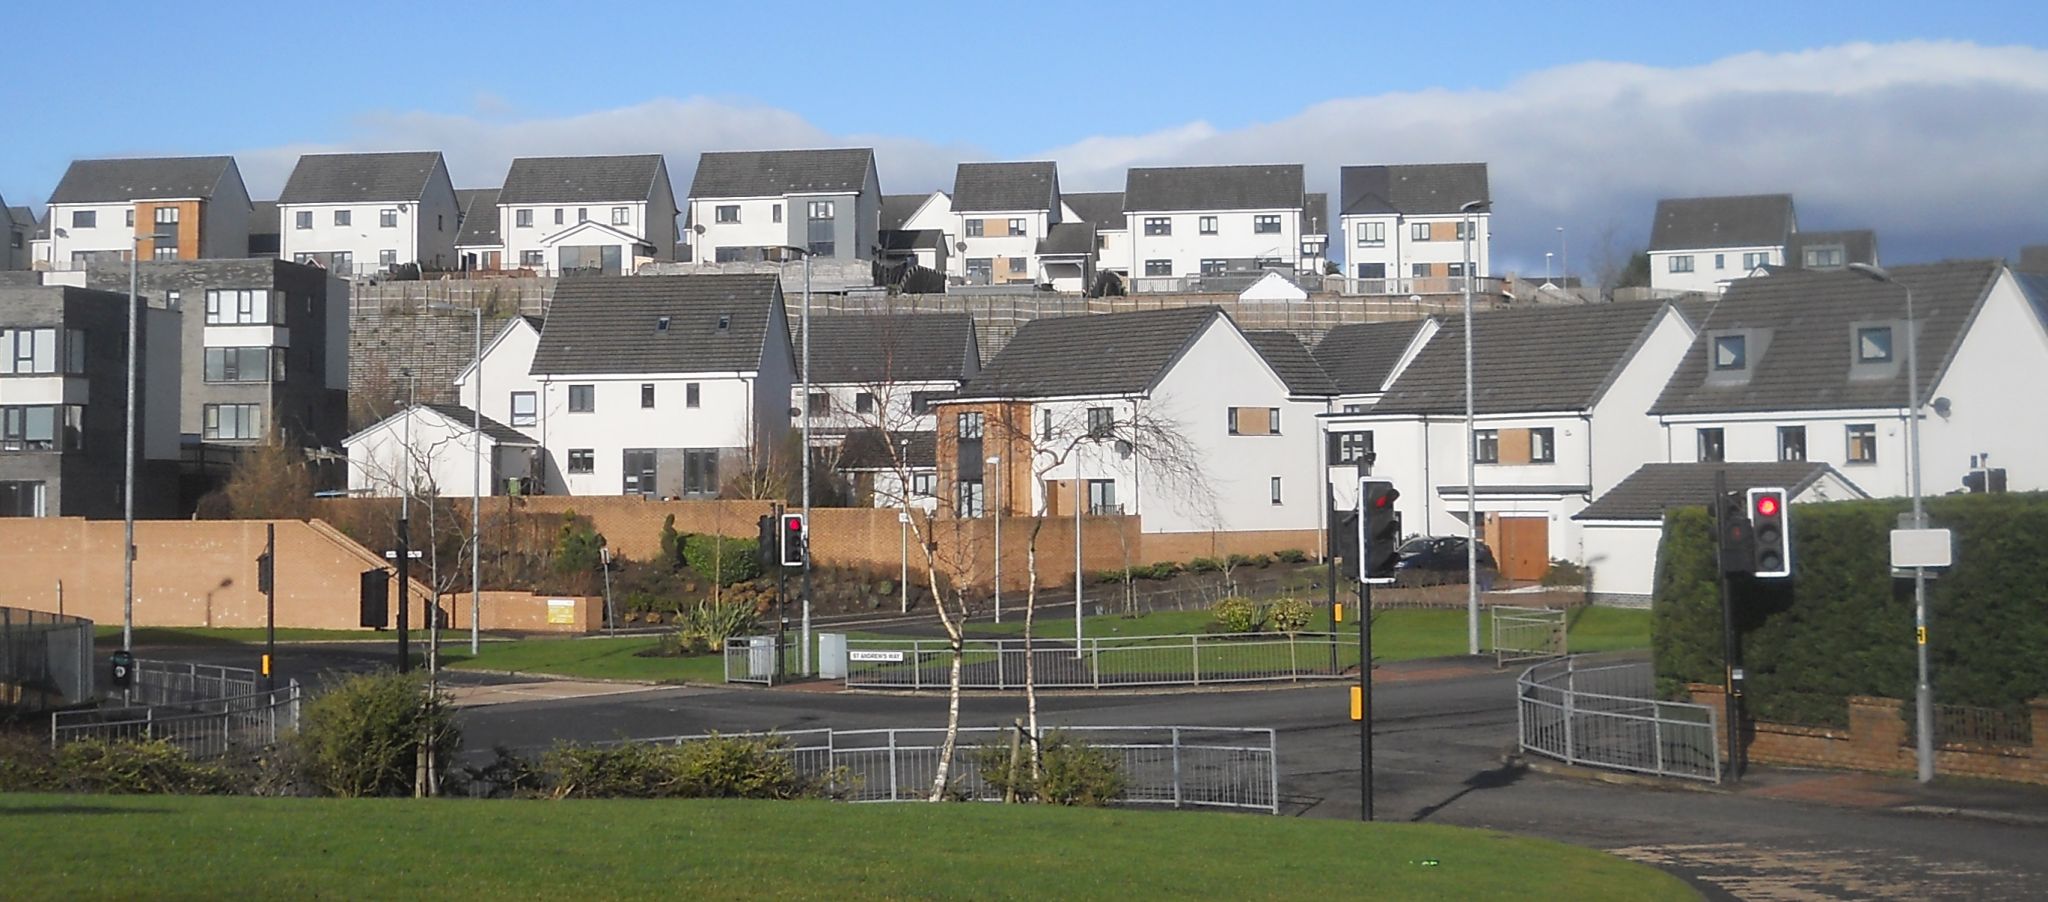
[1843, 625]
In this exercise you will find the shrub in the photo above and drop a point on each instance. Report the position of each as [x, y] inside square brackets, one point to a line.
[1291, 555]
[718, 767]
[1564, 573]
[1205, 565]
[1290, 615]
[1162, 570]
[1070, 772]
[708, 625]
[362, 736]
[1238, 615]
[671, 543]
[1238, 560]
[727, 559]
[1261, 560]
[1112, 576]
[576, 546]
[152, 767]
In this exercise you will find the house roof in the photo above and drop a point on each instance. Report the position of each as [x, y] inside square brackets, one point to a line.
[1066, 239]
[773, 173]
[612, 324]
[1858, 246]
[467, 416]
[867, 449]
[898, 208]
[1646, 493]
[910, 239]
[1543, 358]
[1418, 189]
[1104, 209]
[1694, 223]
[1175, 188]
[1101, 354]
[1286, 355]
[581, 180]
[341, 178]
[1005, 187]
[116, 181]
[1315, 214]
[479, 217]
[1802, 359]
[263, 217]
[1359, 356]
[2033, 258]
[893, 347]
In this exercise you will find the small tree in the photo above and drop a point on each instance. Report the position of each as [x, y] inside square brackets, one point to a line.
[270, 481]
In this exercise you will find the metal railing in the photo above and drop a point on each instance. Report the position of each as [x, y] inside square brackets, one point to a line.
[45, 660]
[177, 683]
[1606, 716]
[1526, 634]
[751, 659]
[1425, 285]
[1968, 725]
[204, 729]
[1191, 660]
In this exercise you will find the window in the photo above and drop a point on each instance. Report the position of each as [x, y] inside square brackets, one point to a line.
[22, 499]
[1862, 443]
[1543, 446]
[818, 404]
[693, 394]
[1350, 447]
[522, 219]
[229, 422]
[129, 221]
[774, 212]
[1101, 422]
[1755, 260]
[1215, 267]
[974, 228]
[74, 349]
[622, 216]
[1158, 225]
[582, 460]
[1731, 352]
[700, 471]
[1712, 446]
[969, 502]
[1102, 497]
[237, 364]
[1420, 271]
[387, 218]
[163, 252]
[1823, 257]
[1019, 266]
[1372, 234]
[726, 213]
[387, 258]
[166, 216]
[1791, 442]
[981, 269]
[646, 396]
[582, 398]
[1159, 267]
[922, 484]
[558, 216]
[533, 259]
[341, 217]
[1372, 270]
[87, 219]
[1275, 489]
[1016, 228]
[341, 261]
[1252, 420]
[1464, 229]
[36, 427]
[226, 307]
[1418, 231]
[1266, 224]
[820, 228]
[174, 300]
[1487, 450]
[1874, 344]
[1454, 270]
[969, 425]
[582, 214]
[302, 219]
[525, 408]
[729, 254]
[864, 402]
[1206, 225]
[28, 351]
[1680, 263]
[921, 401]
[1720, 261]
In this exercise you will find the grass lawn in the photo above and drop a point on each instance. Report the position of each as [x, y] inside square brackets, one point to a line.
[193, 635]
[212, 848]
[596, 658]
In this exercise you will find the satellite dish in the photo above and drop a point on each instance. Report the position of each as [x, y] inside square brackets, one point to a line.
[698, 228]
[960, 246]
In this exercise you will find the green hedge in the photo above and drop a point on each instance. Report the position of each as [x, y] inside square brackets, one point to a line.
[732, 560]
[1844, 626]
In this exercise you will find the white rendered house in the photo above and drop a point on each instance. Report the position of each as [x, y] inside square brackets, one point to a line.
[743, 203]
[443, 452]
[1192, 221]
[587, 215]
[1001, 211]
[368, 214]
[1404, 227]
[182, 208]
[1703, 243]
[504, 388]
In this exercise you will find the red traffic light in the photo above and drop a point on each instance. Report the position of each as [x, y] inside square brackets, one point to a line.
[1385, 500]
[1767, 505]
[793, 523]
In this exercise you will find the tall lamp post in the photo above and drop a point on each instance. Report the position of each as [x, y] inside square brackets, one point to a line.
[476, 475]
[128, 444]
[1923, 693]
[1471, 449]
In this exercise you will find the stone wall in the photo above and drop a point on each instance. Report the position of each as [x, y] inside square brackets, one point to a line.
[1879, 739]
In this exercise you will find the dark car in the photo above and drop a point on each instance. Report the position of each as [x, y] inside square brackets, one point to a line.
[1440, 560]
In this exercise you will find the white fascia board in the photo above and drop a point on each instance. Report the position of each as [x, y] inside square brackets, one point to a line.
[1779, 415]
[642, 377]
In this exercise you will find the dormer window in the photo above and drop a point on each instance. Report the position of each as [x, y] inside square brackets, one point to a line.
[661, 325]
[1874, 344]
[724, 321]
[1731, 352]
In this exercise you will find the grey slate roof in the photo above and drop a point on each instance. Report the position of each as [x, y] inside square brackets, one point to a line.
[581, 180]
[2033, 258]
[1102, 209]
[1182, 188]
[1806, 362]
[1695, 223]
[1858, 246]
[263, 217]
[901, 347]
[1315, 214]
[865, 449]
[1530, 359]
[342, 178]
[610, 324]
[911, 239]
[492, 428]
[23, 217]
[1358, 356]
[1102, 354]
[115, 181]
[1063, 239]
[479, 208]
[1005, 187]
[1412, 189]
[898, 208]
[1286, 355]
[1648, 491]
[773, 173]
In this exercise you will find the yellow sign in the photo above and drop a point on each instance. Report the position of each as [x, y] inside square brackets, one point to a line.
[1338, 611]
[1357, 707]
[1922, 634]
[266, 665]
[562, 610]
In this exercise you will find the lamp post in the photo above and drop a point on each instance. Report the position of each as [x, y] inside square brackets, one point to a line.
[1471, 451]
[997, 515]
[128, 451]
[804, 374]
[1923, 693]
[1564, 260]
[476, 477]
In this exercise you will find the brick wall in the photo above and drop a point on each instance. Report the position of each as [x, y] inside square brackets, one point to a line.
[1878, 739]
[522, 612]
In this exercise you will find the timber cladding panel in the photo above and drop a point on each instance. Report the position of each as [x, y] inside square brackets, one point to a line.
[187, 228]
[1514, 446]
[1443, 231]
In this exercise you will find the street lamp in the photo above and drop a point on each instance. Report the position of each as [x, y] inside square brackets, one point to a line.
[1471, 450]
[476, 476]
[996, 462]
[1564, 260]
[1923, 698]
[804, 373]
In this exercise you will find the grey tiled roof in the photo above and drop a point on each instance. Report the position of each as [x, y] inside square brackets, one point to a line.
[1648, 491]
[1106, 354]
[341, 178]
[263, 217]
[1694, 223]
[865, 449]
[1315, 214]
[773, 173]
[1180, 188]
[1359, 356]
[904, 347]
[1530, 359]
[479, 208]
[581, 180]
[898, 208]
[1102, 209]
[115, 181]
[1804, 319]
[911, 239]
[1858, 246]
[492, 428]
[1414, 189]
[1286, 355]
[610, 324]
[2033, 258]
[22, 216]
[1067, 239]
[1004, 187]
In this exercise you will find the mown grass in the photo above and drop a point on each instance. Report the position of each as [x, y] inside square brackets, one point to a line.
[104, 634]
[220, 847]
[1399, 634]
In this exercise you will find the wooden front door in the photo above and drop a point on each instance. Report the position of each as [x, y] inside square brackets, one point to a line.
[1524, 550]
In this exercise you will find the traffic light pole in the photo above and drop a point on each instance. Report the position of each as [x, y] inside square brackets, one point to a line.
[781, 607]
[270, 607]
[1365, 799]
[1731, 712]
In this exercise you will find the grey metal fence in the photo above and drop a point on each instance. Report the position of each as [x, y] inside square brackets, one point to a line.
[1607, 716]
[1191, 660]
[1526, 634]
[751, 659]
[176, 682]
[45, 660]
[207, 729]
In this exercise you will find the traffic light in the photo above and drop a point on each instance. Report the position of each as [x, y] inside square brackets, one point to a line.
[266, 572]
[1344, 543]
[767, 544]
[1738, 535]
[1772, 532]
[123, 665]
[795, 541]
[373, 599]
[1379, 527]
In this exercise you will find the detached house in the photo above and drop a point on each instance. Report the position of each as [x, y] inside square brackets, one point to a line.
[478, 245]
[743, 203]
[181, 208]
[661, 386]
[918, 228]
[501, 383]
[1703, 243]
[1103, 211]
[1001, 211]
[445, 446]
[876, 381]
[1404, 228]
[367, 214]
[603, 216]
[1192, 221]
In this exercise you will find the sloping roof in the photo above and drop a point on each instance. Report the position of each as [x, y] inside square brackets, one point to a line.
[898, 347]
[341, 178]
[1413, 189]
[1102, 354]
[581, 180]
[1358, 356]
[1648, 491]
[1544, 358]
[1694, 223]
[1803, 320]
[263, 217]
[479, 208]
[2035, 287]
[1858, 246]
[910, 239]
[115, 181]
[898, 208]
[1065, 239]
[866, 449]
[1003, 187]
[611, 324]
[23, 217]
[773, 173]
[1103, 209]
[2033, 258]
[1315, 214]
[496, 430]
[1286, 355]
[1263, 187]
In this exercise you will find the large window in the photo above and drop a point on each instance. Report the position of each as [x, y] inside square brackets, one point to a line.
[1206, 225]
[237, 308]
[726, 213]
[582, 398]
[1543, 445]
[1791, 442]
[974, 228]
[525, 408]
[700, 471]
[1486, 448]
[1826, 257]
[1102, 497]
[237, 365]
[166, 216]
[969, 425]
[533, 259]
[41, 427]
[233, 422]
[387, 218]
[1713, 447]
[85, 219]
[29, 352]
[22, 499]
[1266, 224]
[1158, 225]
[582, 460]
[1350, 447]
[1731, 352]
[1862, 443]
[1680, 263]
[1159, 267]
[823, 239]
[1214, 267]
[1372, 234]
[1252, 420]
[969, 501]
[980, 269]
[162, 251]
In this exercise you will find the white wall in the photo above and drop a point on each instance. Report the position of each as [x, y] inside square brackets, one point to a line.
[999, 243]
[618, 422]
[1705, 275]
[891, 405]
[1622, 556]
[758, 225]
[638, 224]
[1754, 437]
[935, 213]
[1187, 247]
[1993, 408]
[1624, 434]
[505, 371]
[441, 460]
[110, 231]
[1401, 251]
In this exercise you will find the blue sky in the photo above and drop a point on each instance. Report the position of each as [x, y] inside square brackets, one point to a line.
[1095, 85]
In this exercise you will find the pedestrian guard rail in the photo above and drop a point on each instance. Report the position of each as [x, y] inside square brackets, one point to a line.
[1101, 662]
[45, 660]
[207, 728]
[177, 682]
[1606, 715]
